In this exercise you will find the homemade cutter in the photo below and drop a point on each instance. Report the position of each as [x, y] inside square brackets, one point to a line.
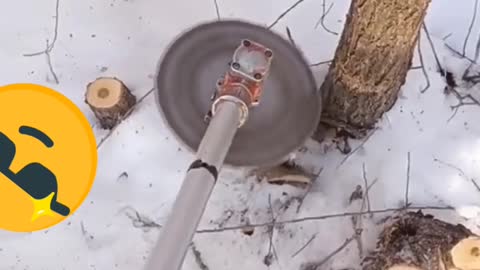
[237, 94]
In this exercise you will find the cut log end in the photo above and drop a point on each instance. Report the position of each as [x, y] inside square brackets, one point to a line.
[466, 254]
[110, 100]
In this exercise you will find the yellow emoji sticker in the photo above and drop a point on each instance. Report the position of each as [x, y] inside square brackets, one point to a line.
[48, 157]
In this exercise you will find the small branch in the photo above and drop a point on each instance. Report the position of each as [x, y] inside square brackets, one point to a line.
[321, 63]
[462, 173]
[289, 34]
[271, 248]
[324, 217]
[407, 203]
[458, 53]
[285, 13]
[139, 221]
[437, 61]
[461, 101]
[335, 252]
[217, 9]
[55, 34]
[304, 246]
[50, 66]
[305, 194]
[366, 187]
[422, 63]
[321, 21]
[416, 67]
[198, 257]
[472, 23]
[125, 117]
[356, 148]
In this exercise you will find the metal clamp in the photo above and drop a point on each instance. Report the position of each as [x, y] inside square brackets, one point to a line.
[234, 99]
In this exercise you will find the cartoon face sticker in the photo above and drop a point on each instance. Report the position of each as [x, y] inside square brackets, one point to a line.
[47, 157]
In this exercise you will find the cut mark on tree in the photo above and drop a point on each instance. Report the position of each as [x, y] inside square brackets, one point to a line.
[460, 171]
[469, 32]
[285, 13]
[407, 187]
[305, 245]
[217, 9]
[321, 21]
[49, 47]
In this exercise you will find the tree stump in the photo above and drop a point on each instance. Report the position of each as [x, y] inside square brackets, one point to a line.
[110, 100]
[371, 62]
[415, 241]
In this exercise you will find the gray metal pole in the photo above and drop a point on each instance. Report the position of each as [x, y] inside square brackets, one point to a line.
[177, 234]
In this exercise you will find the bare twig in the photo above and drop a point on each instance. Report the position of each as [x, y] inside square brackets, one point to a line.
[422, 63]
[140, 221]
[321, 21]
[416, 67]
[321, 63]
[475, 59]
[271, 248]
[437, 61]
[55, 34]
[472, 23]
[356, 148]
[364, 174]
[198, 257]
[459, 54]
[407, 188]
[447, 36]
[307, 191]
[336, 251]
[289, 35]
[305, 245]
[217, 9]
[50, 66]
[462, 173]
[125, 117]
[285, 13]
[324, 217]
[464, 100]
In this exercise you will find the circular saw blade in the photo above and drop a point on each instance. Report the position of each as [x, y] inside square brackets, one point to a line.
[290, 105]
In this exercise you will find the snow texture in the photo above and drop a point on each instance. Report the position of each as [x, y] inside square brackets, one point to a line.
[141, 165]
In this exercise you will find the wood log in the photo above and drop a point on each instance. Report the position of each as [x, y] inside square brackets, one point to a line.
[110, 100]
[414, 241]
[285, 173]
[371, 62]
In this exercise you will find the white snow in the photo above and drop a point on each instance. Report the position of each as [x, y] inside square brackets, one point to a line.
[141, 165]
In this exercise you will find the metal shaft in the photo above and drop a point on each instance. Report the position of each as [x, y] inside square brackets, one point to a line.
[196, 188]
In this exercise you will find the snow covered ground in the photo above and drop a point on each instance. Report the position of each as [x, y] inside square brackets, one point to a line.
[141, 165]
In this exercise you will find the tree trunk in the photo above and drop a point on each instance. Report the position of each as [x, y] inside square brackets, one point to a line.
[371, 62]
[415, 241]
